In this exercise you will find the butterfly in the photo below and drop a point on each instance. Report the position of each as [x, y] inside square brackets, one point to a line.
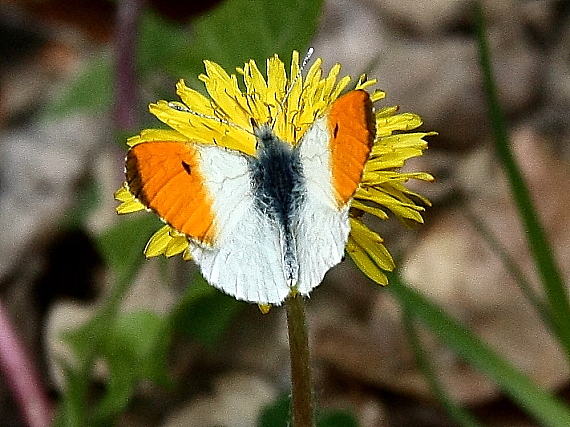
[264, 226]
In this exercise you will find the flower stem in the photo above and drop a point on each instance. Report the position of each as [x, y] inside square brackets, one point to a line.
[302, 399]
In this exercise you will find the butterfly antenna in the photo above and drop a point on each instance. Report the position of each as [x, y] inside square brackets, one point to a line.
[179, 107]
[306, 59]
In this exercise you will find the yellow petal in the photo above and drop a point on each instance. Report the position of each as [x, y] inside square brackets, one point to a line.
[387, 111]
[340, 86]
[364, 83]
[193, 99]
[178, 244]
[372, 243]
[129, 203]
[367, 251]
[403, 122]
[156, 135]
[393, 200]
[373, 210]
[158, 242]
[204, 130]
[264, 308]
[226, 94]
[365, 263]
[377, 95]
[329, 83]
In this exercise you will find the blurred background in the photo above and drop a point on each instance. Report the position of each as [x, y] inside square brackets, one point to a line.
[68, 100]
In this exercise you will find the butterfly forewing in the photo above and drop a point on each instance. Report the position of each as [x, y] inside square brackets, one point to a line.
[166, 177]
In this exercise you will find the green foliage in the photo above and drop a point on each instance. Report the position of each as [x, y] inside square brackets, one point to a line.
[229, 35]
[92, 88]
[557, 299]
[122, 244]
[277, 414]
[539, 404]
[336, 418]
[253, 29]
[135, 349]
[133, 346]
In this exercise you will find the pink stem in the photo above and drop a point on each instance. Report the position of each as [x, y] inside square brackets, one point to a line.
[126, 89]
[22, 377]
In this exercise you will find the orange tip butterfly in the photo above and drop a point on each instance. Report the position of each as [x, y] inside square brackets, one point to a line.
[261, 227]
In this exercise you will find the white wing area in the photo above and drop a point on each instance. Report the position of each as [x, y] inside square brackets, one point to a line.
[246, 260]
[323, 227]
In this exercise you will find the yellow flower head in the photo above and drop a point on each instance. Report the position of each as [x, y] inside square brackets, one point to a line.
[291, 104]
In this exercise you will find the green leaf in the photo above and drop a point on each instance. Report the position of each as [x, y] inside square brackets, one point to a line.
[148, 336]
[135, 349]
[336, 418]
[459, 415]
[86, 340]
[164, 47]
[204, 313]
[550, 274]
[122, 366]
[73, 403]
[278, 414]
[89, 198]
[242, 29]
[231, 34]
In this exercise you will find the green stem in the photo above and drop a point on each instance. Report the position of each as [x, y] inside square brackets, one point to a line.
[302, 399]
[459, 415]
[512, 267]
[551, 277]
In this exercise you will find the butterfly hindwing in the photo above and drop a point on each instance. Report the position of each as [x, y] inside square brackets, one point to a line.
[247, 259]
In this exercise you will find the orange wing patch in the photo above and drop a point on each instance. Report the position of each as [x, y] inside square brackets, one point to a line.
[165, 176]
[352, 129]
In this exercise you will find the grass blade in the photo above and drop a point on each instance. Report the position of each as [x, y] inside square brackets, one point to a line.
[546, 265]
[459, 415]
[539, 404]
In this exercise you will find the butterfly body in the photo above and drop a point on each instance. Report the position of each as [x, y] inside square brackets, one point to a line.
[279, 190]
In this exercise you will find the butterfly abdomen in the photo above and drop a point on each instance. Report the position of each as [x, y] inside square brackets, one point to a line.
[279, 190]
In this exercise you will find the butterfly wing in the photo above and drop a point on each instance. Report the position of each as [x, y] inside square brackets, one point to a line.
[333, 153]
[166, 177]
[205, 192]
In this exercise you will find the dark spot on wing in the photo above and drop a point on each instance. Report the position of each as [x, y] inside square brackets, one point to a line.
[187, 168]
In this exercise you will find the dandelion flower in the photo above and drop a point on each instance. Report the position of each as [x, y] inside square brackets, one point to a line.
[257, 231]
